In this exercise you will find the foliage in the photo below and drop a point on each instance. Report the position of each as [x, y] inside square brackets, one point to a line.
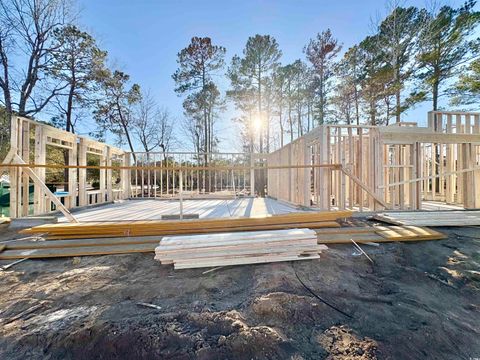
[78, 63]
[113, 110]
[445, 45]
[249, 76]
[198, 63]
[321, 52]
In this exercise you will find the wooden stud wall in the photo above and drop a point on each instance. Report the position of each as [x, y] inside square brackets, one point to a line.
[396, 166]
[26, 132]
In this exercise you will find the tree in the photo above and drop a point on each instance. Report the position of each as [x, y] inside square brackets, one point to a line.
[249, 76]
[78, 63]
[28, 26]
[467, 89]
[397, 39]
[321, 52]
[152, 126]
[445, 45]
[376, 82]
[198, 63]
[349, 72]
[114, 110]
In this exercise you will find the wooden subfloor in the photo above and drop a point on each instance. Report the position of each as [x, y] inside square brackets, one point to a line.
[150, 209]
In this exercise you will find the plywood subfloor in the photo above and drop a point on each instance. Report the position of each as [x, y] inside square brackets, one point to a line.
[150, 209]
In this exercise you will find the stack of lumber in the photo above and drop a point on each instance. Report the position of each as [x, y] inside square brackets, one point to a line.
[312, 220]
[224, 249]
[377, 234]
[431, 218]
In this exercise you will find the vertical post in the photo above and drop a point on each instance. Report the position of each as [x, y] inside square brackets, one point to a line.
[82, 173]
[25, 181]
[181, 193]
[307, 178]
[109, 175]
[14, 172]
[40, 158]
[252, 175]
[103, 173]
[72, 174]
[126, 176]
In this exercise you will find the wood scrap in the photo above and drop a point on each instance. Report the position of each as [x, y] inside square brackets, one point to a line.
[225, 249]
[8, 266]
[361, 250]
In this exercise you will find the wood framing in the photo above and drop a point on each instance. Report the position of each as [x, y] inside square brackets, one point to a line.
[31, 142]
[383, 167]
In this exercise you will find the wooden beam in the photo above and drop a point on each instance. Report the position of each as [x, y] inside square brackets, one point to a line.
[46, 190]
[365, 187]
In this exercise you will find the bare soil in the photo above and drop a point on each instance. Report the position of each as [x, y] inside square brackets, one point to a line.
[416, 301]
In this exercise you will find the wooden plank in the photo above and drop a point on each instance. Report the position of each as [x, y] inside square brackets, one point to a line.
[20, 245]
[243, 261]
[146, 227]
[76, 251]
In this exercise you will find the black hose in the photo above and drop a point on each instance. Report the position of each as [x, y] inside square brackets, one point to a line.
[318, 297]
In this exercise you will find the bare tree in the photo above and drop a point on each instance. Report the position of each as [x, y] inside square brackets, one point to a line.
[152, 126]
[28, 26]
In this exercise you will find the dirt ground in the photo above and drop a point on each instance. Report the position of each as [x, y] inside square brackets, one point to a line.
[416, 301]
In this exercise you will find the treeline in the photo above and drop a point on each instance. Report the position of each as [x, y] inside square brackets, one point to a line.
[414, 55]
[50, 65]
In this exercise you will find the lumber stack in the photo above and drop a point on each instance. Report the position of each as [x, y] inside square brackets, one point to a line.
[224, 249]
[431, 218]
[312, 220]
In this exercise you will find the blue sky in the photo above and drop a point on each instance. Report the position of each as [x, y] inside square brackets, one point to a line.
[143, 37]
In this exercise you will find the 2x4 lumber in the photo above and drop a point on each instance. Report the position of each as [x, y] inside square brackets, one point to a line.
[25, 191]
[76, 251]
[408, 233]
[432, 218]
[47, 191]
[205, 254]
[40, 157]
[243, 261]
[365, 187]
[206, 224]
[262, 235]
[20, 245]
[82, 173]
[318, 225]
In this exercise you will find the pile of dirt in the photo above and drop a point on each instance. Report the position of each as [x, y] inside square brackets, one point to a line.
[417, 300]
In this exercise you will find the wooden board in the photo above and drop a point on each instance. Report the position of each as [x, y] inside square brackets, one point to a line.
[20, 245]
[408, 233]
[158, 227]
[431, 218]
[243, 261]
[76, 251]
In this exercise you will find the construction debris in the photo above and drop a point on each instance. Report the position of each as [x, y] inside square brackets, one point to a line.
[178, 227]
[431, 218]
[224, 249]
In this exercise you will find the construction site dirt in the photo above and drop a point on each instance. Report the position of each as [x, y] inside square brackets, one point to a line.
[416, 300]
